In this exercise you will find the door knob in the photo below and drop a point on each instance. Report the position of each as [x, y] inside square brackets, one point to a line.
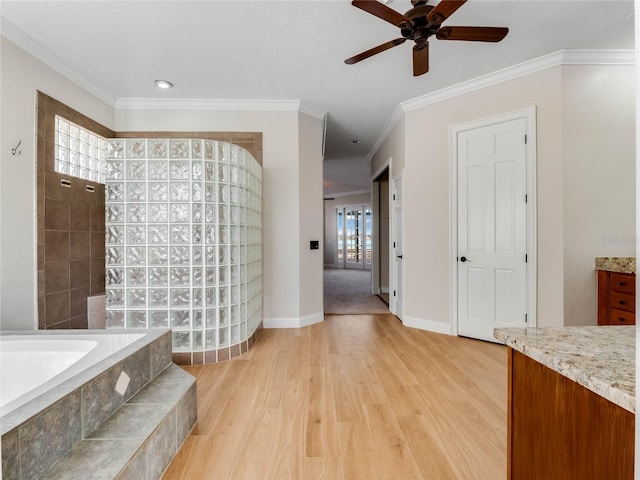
[463, 259]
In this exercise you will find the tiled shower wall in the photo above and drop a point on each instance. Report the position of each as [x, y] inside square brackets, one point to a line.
[184, 243]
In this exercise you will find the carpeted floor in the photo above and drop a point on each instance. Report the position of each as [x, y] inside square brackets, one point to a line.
[349, 292]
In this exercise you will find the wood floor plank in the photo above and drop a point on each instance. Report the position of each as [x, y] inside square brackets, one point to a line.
[353, 397]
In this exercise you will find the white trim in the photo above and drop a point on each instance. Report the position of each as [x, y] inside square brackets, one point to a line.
[293, 322]
[561, 57]
[529, 116]
[345, 194]
[384, 289]
[12, 33]
[427, 325]
[315, 112]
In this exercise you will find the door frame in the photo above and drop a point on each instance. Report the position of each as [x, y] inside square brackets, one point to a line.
[393, 279]
[375, 212]
[529, 116]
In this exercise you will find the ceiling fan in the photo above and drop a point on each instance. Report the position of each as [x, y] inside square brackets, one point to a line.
[418, 24]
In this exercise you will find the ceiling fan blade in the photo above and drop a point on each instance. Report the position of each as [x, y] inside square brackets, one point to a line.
[374, 50]
[473, 34]
[420, 60]
[380, 10]
[444, 10]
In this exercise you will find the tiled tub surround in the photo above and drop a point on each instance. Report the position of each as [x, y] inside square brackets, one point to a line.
[601, 359]
[184, 243]
[82, 428]
[616, 264]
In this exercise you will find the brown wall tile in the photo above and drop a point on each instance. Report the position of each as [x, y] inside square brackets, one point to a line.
[56, 246]
[53, 189]
[97, 270]
[97, 288]
[80, 193]
[100, 195]
[79, 273]
[56, 277]
[78, 301]
[79, 246]
[79, 322]
[63, 325]
[56, 307]
[97, 218]
[56, 215]
[97, 245]
[80, 217]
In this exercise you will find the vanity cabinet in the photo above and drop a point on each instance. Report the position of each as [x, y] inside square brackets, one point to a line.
[616, 298]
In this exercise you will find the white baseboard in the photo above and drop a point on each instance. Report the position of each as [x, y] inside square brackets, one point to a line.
[293, 322]
[428, 325]
[384, 289]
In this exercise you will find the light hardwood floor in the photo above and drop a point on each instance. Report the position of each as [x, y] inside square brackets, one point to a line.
[354, 397]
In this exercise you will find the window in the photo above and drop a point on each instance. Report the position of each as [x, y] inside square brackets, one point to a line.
[79, 152]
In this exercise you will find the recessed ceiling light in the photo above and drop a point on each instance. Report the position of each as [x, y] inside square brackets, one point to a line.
[355, 142]
[164, 84]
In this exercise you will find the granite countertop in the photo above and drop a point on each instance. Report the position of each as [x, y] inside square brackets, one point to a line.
[616, 264]
[601, 359]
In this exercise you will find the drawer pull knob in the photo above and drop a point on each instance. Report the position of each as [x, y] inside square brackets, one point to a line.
[621, 302]
[620, 319]
[622, 284]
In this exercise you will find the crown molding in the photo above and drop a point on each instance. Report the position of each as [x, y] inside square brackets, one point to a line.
[312, 110]
[345, 194]
[205, 104]
[561, 57]
[12, 33]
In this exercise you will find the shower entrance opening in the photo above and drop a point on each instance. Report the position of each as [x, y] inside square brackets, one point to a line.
[353, 241]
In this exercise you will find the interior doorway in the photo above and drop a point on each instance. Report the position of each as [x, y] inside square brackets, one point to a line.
[353, 237]
[381, 215]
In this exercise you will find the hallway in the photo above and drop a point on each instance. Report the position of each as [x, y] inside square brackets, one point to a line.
[348, 291]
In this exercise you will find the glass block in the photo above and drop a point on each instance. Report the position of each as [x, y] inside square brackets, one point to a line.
[233, 194]
[196, 297]
[115, 148]
[114, 192]
[233, 174]
[210, 192]
[234, 152]
[115, 319]
[223, 234]
[180, 341]
[158, 319]
[235, 334]
[115, 213]
[211, 318]
[234, 274]
[209, 171]
[222, 151]
[158, 170]
[235, 294]
[115, 234]
[180, 276]
[180, 234]
[235, 254]
[223, 276]
[137, 297]
[115, 256]
[114, 276]
[209, 149]
[179, 192]
[158, 192]
[158, 255]
[136, 276]
[223, 255]
[136, 234]
[179, 213]
[136, 319]
[136, 256]
[115, 297]
[243, 331]
[197, 255]
[179, 148]
[223, 193]
[196, 192]
[210, 234]
[158, 234]
[158, 213]
[223, 297]
[242, 176]
[196, 213]
[158, 297]
[209, 213]
[198, 338]
[158, 276]
[196, 148]
[210, 255]
[136, 213]
[179, 255]
[223, 173]
[136, 148]
[180, 319]
[180, 297]
[157, 148]
[210, 294]
[223, 337]
[211, 275]
[136, 170]
[223, 317]
[179, 170]
[234, 236]
[223, 213]
[210, 339]
[196, 170]
[235, 314]
[197, 234]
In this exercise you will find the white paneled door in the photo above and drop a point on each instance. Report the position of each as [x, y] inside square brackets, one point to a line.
[396, 304]
[492, 228]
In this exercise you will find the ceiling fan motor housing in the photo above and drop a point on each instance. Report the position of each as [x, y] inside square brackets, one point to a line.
[421, 29]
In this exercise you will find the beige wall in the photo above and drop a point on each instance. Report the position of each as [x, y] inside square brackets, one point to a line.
[330, 226]
[20, 76]
[393, 148]
[565, 144]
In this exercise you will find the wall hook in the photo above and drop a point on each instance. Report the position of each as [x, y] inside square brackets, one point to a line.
[14, 151]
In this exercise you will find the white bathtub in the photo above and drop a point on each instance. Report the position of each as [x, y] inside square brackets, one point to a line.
[33, 364]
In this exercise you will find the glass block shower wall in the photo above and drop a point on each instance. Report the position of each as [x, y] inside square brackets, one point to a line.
[184, 240]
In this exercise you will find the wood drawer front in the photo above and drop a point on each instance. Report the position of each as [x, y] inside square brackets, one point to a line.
[623, 301]
[620, 317]
[624, 283]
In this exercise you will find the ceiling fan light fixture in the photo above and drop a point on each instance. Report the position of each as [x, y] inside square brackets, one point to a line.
[163, 84]
[354, 141]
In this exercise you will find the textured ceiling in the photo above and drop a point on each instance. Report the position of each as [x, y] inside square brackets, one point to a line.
[279, 50]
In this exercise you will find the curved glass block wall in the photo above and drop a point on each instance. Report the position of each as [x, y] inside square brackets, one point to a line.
[184, 242]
